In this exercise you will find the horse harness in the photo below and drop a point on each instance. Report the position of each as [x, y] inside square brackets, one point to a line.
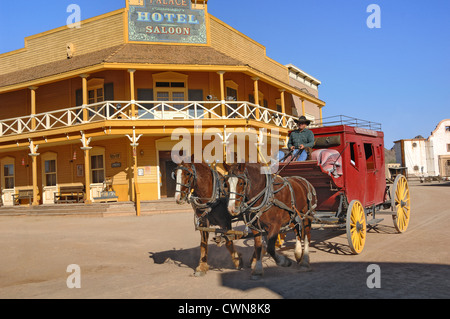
[196, 201]
[251, 213]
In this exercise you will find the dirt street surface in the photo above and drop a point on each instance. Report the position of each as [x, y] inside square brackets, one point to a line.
[155, 257]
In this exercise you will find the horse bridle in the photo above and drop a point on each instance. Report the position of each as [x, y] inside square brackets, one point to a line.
[192, 177]
[243, 196]
[191, 180]
[248, 205]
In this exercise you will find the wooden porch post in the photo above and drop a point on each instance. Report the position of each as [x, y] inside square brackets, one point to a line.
[34, 155]
[134, 144]
[85, 96]
[256, 95]
[132, 95]
[33, 106]
[87, 166]
[321, 115]
[283, 105]
[222, 93]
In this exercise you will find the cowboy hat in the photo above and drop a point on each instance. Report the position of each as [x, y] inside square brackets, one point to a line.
[302, 120]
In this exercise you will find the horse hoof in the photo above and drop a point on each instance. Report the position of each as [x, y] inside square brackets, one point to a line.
[240, 264]
[305, 268]
[256, 277]
[284, 262]
[199, 273]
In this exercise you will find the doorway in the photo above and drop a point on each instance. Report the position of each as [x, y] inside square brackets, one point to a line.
[166, 166]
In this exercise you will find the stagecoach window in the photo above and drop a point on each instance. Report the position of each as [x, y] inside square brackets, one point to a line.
[370, 161]
[353, 152]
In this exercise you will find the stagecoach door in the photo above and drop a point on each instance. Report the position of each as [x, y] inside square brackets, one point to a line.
[371, 174]
[166, 167]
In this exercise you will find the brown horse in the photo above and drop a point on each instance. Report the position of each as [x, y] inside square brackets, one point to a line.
[271, 204]
[201, 185]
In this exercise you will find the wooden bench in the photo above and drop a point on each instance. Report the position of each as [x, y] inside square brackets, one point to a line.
[108, 194]
[107, 197]
[23, 194]
[70, 194]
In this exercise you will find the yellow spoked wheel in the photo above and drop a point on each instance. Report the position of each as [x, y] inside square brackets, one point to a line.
[356, 227]
[400, 203]
[280, 241]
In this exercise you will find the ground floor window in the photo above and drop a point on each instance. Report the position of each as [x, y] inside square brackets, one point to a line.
[8, 176]
[50, 172]
[97, 169]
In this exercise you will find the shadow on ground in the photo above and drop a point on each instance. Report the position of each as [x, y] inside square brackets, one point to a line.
[349, 280]
[326, 280]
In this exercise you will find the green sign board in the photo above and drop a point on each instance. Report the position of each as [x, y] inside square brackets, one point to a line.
[166, 21]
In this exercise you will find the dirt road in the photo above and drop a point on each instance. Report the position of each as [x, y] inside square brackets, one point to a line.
[155, 256]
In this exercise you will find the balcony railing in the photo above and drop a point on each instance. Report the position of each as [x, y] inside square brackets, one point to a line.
[144, 110]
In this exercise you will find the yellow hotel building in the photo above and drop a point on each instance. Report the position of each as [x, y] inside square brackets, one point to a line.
[94, 106]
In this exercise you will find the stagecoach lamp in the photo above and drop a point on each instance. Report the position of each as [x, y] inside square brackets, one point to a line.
[74, 155]
[23, 161]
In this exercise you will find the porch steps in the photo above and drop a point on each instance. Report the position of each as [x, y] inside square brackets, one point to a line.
[164, 206]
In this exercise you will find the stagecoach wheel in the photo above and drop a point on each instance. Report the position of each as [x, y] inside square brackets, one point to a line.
[356, 226]
[400, 203]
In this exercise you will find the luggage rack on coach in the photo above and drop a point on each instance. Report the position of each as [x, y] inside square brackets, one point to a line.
[347, 120]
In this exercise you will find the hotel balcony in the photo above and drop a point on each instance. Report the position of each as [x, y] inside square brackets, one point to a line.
[149, 115]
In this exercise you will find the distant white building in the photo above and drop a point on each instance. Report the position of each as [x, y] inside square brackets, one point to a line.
[426, 157]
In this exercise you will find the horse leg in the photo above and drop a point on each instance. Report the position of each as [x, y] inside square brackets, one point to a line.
[281, 260]
[203, 265]
[298, 252]
[306, 236]
[235, 256]
[257, 267]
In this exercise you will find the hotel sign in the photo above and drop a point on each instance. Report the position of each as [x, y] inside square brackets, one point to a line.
[167, 21]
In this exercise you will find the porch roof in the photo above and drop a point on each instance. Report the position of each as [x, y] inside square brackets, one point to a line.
[126, 53]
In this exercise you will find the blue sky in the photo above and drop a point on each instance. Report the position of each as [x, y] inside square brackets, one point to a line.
[397, 75]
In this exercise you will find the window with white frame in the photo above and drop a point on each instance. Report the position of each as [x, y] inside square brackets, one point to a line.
[97, 169]
[50, 172]
[8, 176]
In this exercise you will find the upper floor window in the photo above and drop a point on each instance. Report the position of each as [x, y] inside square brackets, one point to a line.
[171, 87]
[96, 90]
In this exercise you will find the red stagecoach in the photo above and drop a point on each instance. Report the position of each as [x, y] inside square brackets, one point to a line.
[347, 169]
